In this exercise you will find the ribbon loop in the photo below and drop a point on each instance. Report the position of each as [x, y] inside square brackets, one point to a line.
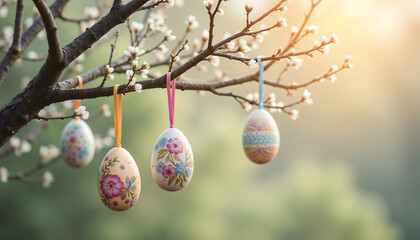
[261, 83]
[171, 98]
[77, 102]
[117, 115]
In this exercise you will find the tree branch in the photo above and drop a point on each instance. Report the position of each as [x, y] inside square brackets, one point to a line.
[17, 34]
[28, 36]
[55, 54]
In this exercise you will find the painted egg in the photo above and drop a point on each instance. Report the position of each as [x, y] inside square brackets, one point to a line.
[119, 180]
[77, 143]
[172, 162]
[260, 138]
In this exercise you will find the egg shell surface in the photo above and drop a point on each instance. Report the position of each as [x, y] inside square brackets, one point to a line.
[260, 138]
[172, 161]
[77, 143]
[119, 182]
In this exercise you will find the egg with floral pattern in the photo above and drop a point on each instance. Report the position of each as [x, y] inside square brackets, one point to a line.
[260, 138]
[172, 161]
[77, 143]
[119, 182]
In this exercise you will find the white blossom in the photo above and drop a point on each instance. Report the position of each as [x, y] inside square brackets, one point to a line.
[111, 132]
[15, 143]
[214, 60]
[263, 26]
[251, 63]
[332, 78]
[25, 147]
[108, 71]
[136, 26]
[294, 114]
[3, 11]
[162, 48]
[295, 62]
[325, 49]
[271, 98]
[294, 30]
[230, 46]
[348, 65]
[47, 153]
[170, 3]
[281, 22]
[67, 105]
[349, 57]
[105, 110]
[169, 36]
[7, 33]
[176, 59]
[243, 46]
[248, 7]
[219, 75]
[28, 22]
[144, 73]
[4, 175]
[129, 73]
[246, 106]
[205, 35]
[47, 179]
[333, 68]
[208, 4]
[334, 38]
[133, 52]
[91, 12]
[306, 97]
[192, 23]
[220, 11]
[283, 8]
[82, 113]
[273, 107]
[260, 38]
[138, 87]
[311, 29]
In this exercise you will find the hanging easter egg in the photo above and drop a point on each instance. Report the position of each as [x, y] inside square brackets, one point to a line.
[172, 162]
[119, 180]
[77, 143]
[260, 138]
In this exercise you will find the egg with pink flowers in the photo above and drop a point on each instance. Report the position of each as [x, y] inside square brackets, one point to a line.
[172, 161]
[119, 180]
[77, 143]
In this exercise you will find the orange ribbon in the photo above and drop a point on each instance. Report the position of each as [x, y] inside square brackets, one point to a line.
[117, 115]
[77, 102]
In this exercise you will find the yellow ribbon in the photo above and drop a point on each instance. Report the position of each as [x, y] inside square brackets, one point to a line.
[117, 115]
[77, 102]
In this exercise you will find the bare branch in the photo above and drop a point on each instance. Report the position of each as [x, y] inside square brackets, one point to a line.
[27, 38]
[54, 44]
[17, 34]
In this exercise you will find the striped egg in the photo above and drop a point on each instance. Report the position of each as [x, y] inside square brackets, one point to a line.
[260, 138]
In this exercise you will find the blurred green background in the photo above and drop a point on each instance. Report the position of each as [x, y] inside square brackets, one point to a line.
[347, 168]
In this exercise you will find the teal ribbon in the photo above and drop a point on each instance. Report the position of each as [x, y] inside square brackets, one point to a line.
[261, 82]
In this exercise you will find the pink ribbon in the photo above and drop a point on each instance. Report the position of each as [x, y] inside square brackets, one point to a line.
[171, 98]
